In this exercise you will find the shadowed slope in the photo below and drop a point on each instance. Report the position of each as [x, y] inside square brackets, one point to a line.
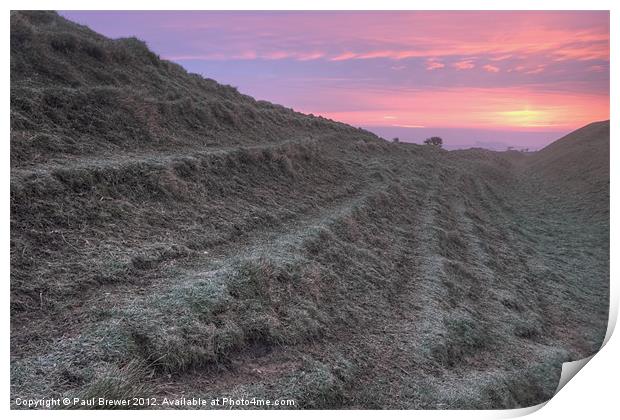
[577, 165]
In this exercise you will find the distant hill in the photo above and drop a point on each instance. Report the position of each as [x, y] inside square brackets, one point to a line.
[171, 236]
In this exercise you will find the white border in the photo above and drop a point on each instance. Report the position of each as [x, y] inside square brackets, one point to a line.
[593, 394]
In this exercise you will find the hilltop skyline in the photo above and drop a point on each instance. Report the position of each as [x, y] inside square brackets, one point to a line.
[478, 77]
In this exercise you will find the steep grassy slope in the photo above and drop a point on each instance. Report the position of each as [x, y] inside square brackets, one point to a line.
[577, 165]
[170, 236]
[74, 92]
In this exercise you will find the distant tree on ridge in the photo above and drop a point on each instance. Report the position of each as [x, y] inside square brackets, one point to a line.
[434, 141]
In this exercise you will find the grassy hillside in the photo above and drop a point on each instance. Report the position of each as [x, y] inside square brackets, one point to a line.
[77, 93]
[578, 164]
[171, 236]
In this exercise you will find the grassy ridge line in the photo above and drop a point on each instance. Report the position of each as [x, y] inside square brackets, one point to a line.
[197, 188]
[104, 163]
[67, 128]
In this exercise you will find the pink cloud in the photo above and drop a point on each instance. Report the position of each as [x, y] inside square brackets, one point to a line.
[343, 56]
[538, 69]
[393, 35]
[310, 56]
[464, 65]
[276, 55]
[374, 54]
[491, 69]
[408, 125]
[501, 57]
[433, 65]
[561, 35]
[517, 69]
[247, 55]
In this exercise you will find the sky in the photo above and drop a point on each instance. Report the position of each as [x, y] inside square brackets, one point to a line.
[485, 79]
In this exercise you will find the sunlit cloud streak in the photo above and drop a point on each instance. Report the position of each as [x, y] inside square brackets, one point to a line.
[464, 65]
[434, 65]
[490, 68]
